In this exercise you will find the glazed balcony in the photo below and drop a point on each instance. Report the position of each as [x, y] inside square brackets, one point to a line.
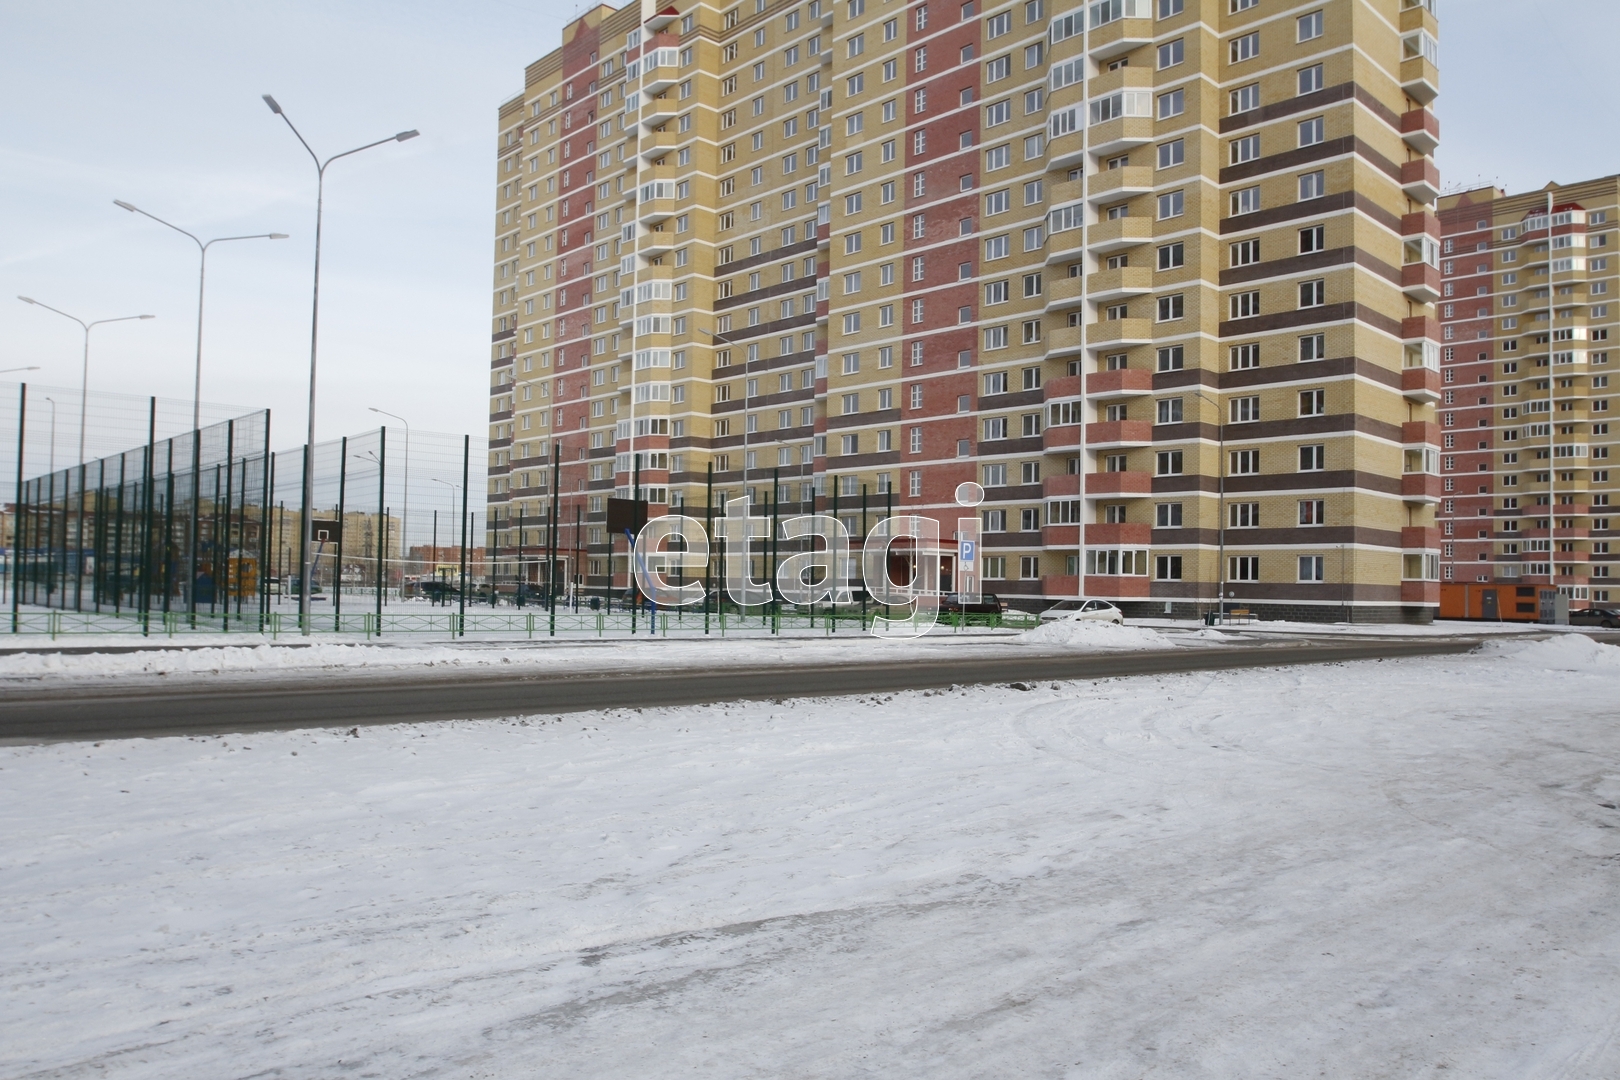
[1129, 26]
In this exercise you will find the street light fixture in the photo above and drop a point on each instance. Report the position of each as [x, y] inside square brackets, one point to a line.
[202, 273]
[9, 370]
[314, 332]
[84, 378]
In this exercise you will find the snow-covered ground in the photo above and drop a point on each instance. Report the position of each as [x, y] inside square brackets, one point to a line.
[617, 654]
[1401, 868]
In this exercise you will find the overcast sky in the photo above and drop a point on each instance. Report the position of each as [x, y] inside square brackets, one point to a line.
[158, 104]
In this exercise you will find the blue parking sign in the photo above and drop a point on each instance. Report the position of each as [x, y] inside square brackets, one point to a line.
[965, 551]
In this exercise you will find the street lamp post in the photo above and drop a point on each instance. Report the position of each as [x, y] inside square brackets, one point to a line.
[314, 333]
[196, 385]
[405, 513]
[51, 468]
[9, 370]
[84, 378]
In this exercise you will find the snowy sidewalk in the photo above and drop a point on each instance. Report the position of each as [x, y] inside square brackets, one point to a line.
[1356, 870]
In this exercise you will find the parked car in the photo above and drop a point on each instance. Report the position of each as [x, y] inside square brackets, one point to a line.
[986, 604]
[1083, 610]
[1608, 618]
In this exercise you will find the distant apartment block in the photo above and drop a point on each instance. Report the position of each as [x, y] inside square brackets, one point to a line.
[1527, 322]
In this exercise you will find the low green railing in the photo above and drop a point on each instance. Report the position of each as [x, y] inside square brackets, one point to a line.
[530, 624]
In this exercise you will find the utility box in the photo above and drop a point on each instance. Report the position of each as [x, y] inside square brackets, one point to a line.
[1554, 608]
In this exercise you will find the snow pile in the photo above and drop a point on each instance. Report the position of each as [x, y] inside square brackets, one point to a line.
[231, 658]
[1562, 652]
[1090, 634]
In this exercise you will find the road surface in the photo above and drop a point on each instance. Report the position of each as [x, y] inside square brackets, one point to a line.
[344, 698]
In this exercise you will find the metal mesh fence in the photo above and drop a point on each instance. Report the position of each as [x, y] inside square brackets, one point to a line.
[161, 527]
[174, 523]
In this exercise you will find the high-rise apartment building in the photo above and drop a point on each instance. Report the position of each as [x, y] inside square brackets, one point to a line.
[1158, 274]
[1527, 314]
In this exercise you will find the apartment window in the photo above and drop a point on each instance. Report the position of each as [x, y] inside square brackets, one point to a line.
[1170, 358]
[1171, 307]
[1246, 47]
[1312, 239]
[1243, 568]
[1312, 458]
[1245, 98]
[1310, 79]
[1310, 131]
[1172, 104]
[1244, 462]
[1172, 204]
[1245, 149]
[1313, 185]
[1312, 511]
[1312, 402]
[1245, 252]
[1169, 411]
[1246, 201]
[1172, 256]
[1168, 463]
[1243, 515]
[1310, 26]
[1312, 293]
[1167, 516]
[1312, 347]
[1245, 305]
[1172, 153]
[1172, 53]
[995, 428]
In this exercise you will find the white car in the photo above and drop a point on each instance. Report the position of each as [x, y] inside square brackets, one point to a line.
[1083, 611]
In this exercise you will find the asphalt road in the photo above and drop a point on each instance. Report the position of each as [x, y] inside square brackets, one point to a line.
[342, 699]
